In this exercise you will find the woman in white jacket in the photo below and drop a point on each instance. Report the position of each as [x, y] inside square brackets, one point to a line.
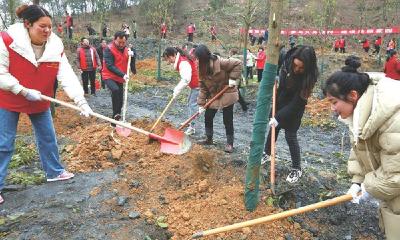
[31, 58]
[370, 105]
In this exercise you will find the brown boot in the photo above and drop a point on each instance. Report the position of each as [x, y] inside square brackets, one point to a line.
[207, 141]
[228, 148]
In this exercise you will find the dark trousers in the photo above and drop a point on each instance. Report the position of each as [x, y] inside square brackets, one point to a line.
[69, 31]
[117, 95]
[190, 37]
[228, 122]
[342, 50]
[249, 72]
[259, 74]
[86, 76]
[291, 139]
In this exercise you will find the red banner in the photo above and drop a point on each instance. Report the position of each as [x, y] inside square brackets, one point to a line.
[313, 32]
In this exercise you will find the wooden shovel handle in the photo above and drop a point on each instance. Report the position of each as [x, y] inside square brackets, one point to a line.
[208, 103]
[273, 133]
[162, 114]
[281, 215]
[122, 124]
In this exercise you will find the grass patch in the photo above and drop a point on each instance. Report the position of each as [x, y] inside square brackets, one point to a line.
[136, 87]
[25, 178]
[24, 154]
[325, 123]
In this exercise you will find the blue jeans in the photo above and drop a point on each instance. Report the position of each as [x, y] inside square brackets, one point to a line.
[46, 142]
[192, 104]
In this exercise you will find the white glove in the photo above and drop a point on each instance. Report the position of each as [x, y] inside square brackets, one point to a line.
[273, 122]
[31, 94]
[126, 77]
[201, 110]
[130, 53]
[232, 83]
[86, 110]
[176, 92]
[354, 190]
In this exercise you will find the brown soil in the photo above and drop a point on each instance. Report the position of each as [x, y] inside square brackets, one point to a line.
[192, 190]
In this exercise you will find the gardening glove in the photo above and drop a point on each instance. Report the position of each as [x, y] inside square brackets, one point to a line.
[273, 122]
[201, 110]
[31, 94]
[354, 190]
[86, 110]
[232, 83]
[126, 77]
[131, 53]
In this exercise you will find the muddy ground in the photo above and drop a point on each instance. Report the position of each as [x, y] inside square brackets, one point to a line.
[131, 191]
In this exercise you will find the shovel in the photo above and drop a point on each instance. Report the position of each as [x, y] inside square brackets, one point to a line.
[173, 141]
[184, 124]
[278, 216]
[273, 140]
[125, 132]
[162, 114]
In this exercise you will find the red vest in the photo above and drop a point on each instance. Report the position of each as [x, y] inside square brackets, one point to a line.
[365, 44]
[120, 62]
[82, 57]
[261, 60]
[41, 78]
[194, 82]
[336, 43]
[392, 68]
[342, 43]
[190, 29]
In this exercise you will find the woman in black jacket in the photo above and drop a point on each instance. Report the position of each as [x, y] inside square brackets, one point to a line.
[297, 78]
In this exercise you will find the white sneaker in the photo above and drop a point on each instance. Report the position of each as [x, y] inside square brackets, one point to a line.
[190, 131]
[63, 176]
[294, 175]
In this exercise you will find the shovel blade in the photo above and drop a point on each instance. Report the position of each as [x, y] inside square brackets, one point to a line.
[121, 131]
[174, 142]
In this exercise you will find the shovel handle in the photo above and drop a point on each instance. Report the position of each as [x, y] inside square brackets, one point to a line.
[122, 124]
[273, 132]
[281, 215]
[162, 114]
[208, 103]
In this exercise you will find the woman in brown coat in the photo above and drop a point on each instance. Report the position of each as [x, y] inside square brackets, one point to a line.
[215, 73]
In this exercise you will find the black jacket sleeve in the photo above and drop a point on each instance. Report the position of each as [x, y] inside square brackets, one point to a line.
[109, 59]
[133, 61]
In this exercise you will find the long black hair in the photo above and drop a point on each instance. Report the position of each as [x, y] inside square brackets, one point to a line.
[306, 54]
[341, 83]
[204, 56]
[31, 13]
[172, 51]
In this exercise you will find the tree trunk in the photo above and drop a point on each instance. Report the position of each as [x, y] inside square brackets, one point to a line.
[11, 10]
[263, 107]
[36, 2]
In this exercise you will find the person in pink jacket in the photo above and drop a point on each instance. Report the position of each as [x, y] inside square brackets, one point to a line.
[260, 62]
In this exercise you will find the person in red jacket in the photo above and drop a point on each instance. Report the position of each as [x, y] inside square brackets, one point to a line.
[392, 66]
[69, 23]
[342, 45]
[377, 45]
[187, 68]
[365, 45]
[163, 30]
[190, 31]
[260, 59]
[336, 45]
[31, 59]
[114, 72]
[88, 62]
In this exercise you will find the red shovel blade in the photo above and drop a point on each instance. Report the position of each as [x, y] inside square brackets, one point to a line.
[124, 132]
[173, 142]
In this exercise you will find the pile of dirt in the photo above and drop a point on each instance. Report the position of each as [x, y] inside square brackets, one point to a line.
[146, 72]
[189, 192]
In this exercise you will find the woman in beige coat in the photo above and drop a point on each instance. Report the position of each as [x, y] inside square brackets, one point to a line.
[370, 105]
[215, 73]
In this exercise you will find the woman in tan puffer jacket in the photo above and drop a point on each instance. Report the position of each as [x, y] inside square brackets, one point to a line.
[370, 105]
[215, 73]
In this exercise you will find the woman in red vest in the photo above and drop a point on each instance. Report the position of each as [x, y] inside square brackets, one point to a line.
[187, 68]
[31, 58]
[392, 66]
[260, 59]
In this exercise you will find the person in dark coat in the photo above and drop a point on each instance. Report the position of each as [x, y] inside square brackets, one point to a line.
[298, 75]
